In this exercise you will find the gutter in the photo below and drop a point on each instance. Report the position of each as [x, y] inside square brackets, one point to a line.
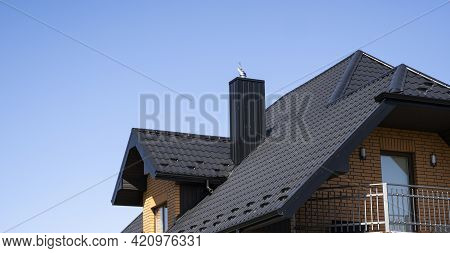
[406, 98]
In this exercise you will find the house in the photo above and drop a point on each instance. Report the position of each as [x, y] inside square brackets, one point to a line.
[362, 147]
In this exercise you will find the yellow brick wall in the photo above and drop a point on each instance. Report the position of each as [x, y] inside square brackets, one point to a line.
[160, 192]
[420, 144]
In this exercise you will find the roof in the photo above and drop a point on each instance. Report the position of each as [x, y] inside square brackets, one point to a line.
[313, 130]
[135, 226]
[187, 154]
[173, 155]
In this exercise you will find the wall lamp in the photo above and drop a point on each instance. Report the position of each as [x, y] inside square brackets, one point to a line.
[362, 153]
[433, 160]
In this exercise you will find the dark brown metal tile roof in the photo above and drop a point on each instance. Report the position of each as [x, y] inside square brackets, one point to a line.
[306, 140]
[187, 154]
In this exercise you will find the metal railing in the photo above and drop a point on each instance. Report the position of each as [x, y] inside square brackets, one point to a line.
[376, 208]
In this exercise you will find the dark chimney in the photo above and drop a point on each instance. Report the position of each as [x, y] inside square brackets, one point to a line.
[247, 116]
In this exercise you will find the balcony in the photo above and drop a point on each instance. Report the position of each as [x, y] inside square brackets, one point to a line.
[379, 207]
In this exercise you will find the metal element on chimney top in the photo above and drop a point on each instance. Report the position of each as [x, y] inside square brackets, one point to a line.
[241, 71]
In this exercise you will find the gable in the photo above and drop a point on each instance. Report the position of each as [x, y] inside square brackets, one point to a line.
[170, 156]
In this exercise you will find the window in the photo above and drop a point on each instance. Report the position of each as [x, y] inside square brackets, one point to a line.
[161, 219]
[396, 171]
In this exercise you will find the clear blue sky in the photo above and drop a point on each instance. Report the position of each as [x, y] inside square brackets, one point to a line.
[66, 112]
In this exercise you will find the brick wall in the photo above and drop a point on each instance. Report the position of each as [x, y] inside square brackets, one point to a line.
[160, 192]
[419, 144]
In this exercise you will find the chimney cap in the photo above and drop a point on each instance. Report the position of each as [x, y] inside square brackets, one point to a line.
[247, 80]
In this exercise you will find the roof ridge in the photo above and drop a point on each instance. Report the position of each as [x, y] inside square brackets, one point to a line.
[377, 60]
[398, 79]
[179, 134]
[346, 76]
[363, 86]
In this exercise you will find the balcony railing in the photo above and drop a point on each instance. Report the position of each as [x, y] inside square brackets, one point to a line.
[376, 208]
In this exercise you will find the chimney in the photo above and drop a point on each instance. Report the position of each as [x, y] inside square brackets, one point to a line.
[247, 116]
